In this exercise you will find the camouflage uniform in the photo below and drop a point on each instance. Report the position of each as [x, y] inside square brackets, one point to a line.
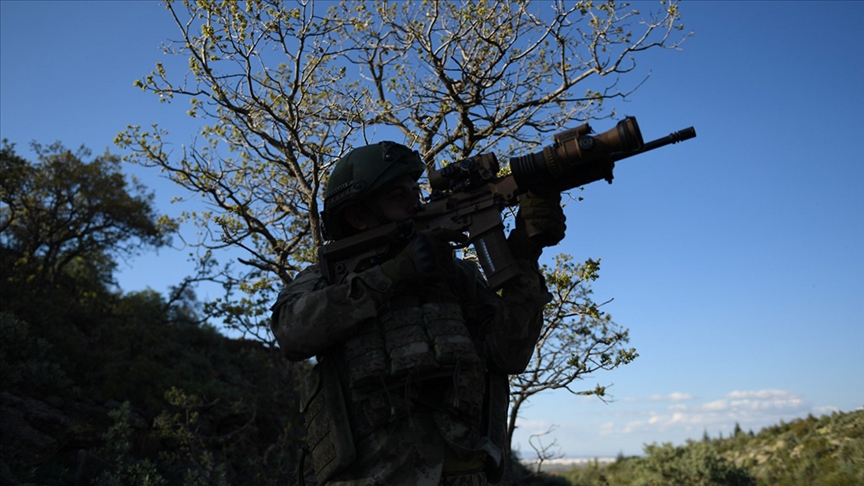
[410, 384]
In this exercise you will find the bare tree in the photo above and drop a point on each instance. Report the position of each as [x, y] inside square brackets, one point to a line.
[544, 451]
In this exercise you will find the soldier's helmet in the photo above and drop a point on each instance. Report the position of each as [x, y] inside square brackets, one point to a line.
[359, 173]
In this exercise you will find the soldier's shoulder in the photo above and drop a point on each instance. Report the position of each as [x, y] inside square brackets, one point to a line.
[312, 271]
[307, 279]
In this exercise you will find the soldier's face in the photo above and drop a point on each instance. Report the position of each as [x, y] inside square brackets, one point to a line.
[398, 200]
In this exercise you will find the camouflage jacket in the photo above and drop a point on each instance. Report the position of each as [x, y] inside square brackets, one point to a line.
[420, 371]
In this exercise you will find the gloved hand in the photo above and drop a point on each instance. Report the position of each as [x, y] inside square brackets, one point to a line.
[539, 223]
[427, 256]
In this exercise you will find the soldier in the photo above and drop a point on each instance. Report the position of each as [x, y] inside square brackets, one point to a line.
[412, 355]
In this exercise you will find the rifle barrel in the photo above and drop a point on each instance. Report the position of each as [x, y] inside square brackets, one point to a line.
[673, 137]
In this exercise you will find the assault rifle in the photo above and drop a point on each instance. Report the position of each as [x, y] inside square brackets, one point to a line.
[469, 196]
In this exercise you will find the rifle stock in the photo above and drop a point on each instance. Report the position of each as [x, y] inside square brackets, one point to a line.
[468, 196]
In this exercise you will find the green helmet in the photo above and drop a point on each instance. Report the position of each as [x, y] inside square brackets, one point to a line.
[359, 173]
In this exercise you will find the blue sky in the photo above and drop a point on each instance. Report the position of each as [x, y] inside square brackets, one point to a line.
[736, 259]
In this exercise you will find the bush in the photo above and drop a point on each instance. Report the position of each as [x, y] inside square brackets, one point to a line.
[26, 361]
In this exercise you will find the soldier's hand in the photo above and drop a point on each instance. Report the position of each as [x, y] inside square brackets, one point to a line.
[429, 255]
[539, 223]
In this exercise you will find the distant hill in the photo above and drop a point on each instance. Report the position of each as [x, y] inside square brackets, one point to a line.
[560, 464]
[825, 451]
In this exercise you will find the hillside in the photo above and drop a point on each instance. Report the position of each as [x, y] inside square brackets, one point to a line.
[824, 451]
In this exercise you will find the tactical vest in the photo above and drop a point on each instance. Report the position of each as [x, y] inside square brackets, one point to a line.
[416, 338]
[419, 352]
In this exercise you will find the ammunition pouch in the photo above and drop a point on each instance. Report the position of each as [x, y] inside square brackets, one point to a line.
[328, 431]
[495, 424]
[416, 340]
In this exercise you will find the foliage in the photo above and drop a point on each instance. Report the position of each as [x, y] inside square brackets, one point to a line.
[697, 464]
[74, 349]
[60, 210]
[118, 449]
[203, 407]
[25, 360]
[63, 221]
[824, 451]
[288, 87]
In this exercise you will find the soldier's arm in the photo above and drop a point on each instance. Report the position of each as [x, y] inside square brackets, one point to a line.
[511, 322]
[539, 223]
[511, 342]
[309, 316]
